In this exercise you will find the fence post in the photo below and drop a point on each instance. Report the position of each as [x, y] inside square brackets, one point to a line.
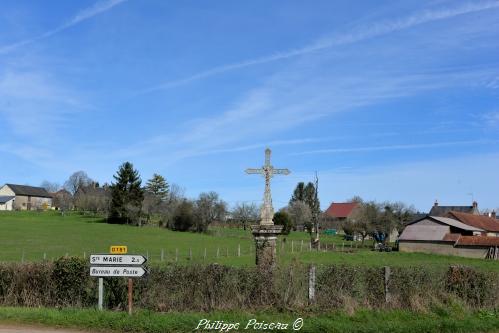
[84, 255]
[218, 252]
[326, 247]
[301, 246]
[227, 252]
[44, 256]
[342, 246]
[238, 250]
[162, 255]
[292, 246]
[311, 284]
[204, 256]
[387, 282]
[176, 254]
[190, 254]
[310, 246]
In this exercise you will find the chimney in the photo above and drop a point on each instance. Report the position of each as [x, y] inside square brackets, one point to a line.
[436, 203]
[475, 205]
[493, 214]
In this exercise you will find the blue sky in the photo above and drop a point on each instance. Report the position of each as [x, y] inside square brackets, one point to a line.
[388, 100]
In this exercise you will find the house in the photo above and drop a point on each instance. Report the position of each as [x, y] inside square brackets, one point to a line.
[438, 210]
[7, 202]
[466, 236]
[489, 225]
[337, 213]
[26, 197]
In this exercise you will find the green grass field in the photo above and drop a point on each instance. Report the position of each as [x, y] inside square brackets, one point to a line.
[365, 321]
[31, 236]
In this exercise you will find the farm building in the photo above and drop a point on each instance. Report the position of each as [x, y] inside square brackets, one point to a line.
[26, 197]
[469, 236]
[337, 213]
[7, 202]
[438, 210]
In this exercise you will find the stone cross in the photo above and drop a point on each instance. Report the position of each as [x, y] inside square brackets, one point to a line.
[268, 171]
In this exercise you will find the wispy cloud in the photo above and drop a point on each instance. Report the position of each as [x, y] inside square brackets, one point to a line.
[397, 147]
[85, 14]
[365, 32]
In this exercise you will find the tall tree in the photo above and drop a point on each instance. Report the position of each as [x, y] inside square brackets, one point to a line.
[301, 215]
[126, 196]
[282, 218]
[158, 186]
[76, 181]
[298, 193]
[208, 208]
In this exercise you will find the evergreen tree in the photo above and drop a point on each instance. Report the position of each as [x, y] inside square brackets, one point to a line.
[126, 196]
[282, 218]
[298, 193]
[158, 186]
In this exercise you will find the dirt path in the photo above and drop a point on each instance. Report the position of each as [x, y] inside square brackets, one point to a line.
[35, 329]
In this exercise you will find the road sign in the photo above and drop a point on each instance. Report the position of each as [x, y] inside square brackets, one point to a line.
[118, 249]
[117, 259]
[105, 271]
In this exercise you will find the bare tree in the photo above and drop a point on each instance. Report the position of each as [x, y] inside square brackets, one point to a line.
[76, 181]
[50, 186]
[245, 213]
[301, 215]
[209, 208]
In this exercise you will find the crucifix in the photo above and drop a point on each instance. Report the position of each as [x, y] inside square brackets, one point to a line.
[268, 171]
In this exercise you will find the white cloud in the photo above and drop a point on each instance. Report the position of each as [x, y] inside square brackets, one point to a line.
[85, 14]
[362, 33]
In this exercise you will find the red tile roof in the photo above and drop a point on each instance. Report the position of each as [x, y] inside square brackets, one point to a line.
[341, 209]
[479, 221]
[477, 241]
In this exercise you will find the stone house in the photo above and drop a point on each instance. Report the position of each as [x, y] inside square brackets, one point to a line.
[26, 197]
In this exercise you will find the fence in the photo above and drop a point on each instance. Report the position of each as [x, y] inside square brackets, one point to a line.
[170, 255]
[216, 287]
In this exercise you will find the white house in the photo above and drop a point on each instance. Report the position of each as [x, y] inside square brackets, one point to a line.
[7, 202]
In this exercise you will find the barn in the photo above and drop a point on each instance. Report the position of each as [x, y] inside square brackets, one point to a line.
[24, 197]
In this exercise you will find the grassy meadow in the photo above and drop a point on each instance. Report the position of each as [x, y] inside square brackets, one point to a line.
[33, 236]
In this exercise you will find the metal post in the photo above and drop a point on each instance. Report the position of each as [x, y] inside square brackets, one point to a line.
[162, 254]
[101, 293]
[387, 283]
[130, 295]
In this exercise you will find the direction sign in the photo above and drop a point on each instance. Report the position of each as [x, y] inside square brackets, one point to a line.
[103, 271]
[117, 259]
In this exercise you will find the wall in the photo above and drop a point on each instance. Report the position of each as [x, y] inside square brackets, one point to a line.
[5, 190]
[442, 248]
[7, 206]
[36, 202]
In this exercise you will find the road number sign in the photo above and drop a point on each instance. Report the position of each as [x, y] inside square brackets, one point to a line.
[108, 271]
[118, 249]
[117, 259]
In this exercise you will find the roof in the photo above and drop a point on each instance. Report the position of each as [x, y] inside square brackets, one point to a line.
[29, 191]
[341, 209]
[424, 232]
[443, 210]
[477, 241]
[456, 223]
[479, 221]
[447, 221]
[451, 237]
[6, 198]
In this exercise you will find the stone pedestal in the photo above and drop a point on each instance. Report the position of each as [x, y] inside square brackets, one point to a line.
[265, 244]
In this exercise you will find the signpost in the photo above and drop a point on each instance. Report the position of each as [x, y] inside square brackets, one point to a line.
[117, 264]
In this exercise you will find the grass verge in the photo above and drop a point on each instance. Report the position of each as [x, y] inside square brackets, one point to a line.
[439, 320]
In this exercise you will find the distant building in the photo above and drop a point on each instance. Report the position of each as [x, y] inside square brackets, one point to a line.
[438, 210]
[7, 202]
[337, 213]
[25, 197]
[460, 234]
[62, 200]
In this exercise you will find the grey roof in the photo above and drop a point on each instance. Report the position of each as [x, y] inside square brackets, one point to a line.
[456, 223]
[443, 210]
[29, 191]
[5, 198]
[424, 232]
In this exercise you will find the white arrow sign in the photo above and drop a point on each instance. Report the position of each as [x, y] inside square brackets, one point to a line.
[117, 259]
[103, 271]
